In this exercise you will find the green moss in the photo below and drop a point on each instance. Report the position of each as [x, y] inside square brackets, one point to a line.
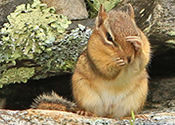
[64, 53]
[36, 41]
[171, 43]
[16, 75]
[171, 33]
[30, 30]
[30, 33]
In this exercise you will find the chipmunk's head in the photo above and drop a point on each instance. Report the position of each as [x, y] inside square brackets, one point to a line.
[107, 47]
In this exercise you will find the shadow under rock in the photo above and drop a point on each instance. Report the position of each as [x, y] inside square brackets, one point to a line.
[20, 96]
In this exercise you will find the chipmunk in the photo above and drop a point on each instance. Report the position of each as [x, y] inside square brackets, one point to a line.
[110, 77]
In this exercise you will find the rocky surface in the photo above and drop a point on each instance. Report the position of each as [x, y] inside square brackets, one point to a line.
[156, 19]
[30, 117]
[162, 90]
[74, 9]
[8, 6]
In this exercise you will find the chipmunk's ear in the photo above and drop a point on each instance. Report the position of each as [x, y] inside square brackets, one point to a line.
[130, 10]
[102, 15]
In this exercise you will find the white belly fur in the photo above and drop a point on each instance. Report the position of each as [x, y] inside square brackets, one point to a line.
[115, 99]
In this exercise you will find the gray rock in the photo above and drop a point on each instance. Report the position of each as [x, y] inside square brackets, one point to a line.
[8, 6]
[53, 117]
[74, 9]
[162, 91]
[156, 18]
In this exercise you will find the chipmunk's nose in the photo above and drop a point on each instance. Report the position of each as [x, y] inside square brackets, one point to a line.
[129, 59]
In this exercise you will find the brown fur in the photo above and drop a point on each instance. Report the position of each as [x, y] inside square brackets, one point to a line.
[110, 77]
[100, 84]
[52, 106]
[52, 101]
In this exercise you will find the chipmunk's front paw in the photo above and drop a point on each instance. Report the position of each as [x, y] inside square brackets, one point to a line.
[120, 62]
[136, 41]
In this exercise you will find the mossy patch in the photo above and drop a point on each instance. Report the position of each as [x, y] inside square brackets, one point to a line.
[31, 31]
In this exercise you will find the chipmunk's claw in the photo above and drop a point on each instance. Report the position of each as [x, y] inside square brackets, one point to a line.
[142, 116]
[85, 113]
[120, 62]
[136, 41]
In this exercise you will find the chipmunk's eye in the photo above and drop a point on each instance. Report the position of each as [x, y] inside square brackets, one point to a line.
[109, 37]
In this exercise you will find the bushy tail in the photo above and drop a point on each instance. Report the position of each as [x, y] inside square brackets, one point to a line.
[52, 101]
